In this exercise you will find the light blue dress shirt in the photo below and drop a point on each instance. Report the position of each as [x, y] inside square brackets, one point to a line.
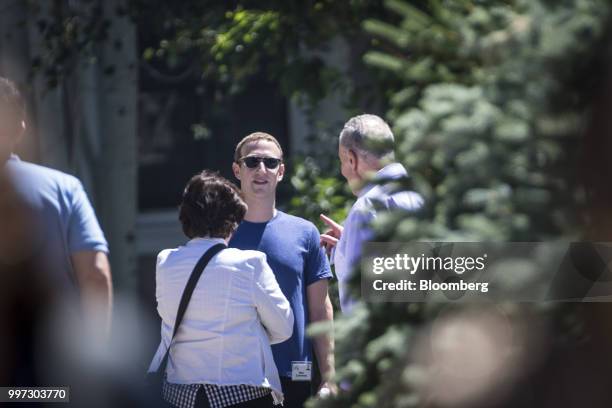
[371, 200]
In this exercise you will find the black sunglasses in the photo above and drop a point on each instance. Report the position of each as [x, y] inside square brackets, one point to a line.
[253, 161]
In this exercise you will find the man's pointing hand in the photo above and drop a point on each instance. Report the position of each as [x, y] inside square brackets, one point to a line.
[330, 237]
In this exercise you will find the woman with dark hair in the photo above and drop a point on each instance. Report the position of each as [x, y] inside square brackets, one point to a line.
[221, 355]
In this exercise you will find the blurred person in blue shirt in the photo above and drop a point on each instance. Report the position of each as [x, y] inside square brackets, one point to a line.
[367, 159]
[69, 237]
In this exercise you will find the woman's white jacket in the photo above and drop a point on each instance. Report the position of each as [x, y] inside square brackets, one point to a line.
[237, 310]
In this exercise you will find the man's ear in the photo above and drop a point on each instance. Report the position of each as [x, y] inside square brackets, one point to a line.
[353, 160]
[19, 131]
[236, 170]
[281, 172]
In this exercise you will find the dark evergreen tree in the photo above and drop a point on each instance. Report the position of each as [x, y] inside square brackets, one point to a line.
[490, 122]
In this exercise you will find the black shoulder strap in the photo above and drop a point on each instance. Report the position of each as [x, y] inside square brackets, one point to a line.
[189, 288]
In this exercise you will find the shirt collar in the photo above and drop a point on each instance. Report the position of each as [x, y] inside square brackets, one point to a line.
[390, 171]
[205, 240]
[12, 157]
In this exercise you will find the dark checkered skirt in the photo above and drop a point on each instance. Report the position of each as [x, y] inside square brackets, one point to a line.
[219, 396]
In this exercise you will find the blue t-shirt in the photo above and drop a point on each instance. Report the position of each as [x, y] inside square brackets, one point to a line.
[64, 218]
[291, 245]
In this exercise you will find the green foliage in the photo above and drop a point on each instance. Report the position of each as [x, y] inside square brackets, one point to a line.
[69, 32]
[488, 122]
[224, 42]
[316, 192]
[232, 42]
[423, 48]
[489, 163]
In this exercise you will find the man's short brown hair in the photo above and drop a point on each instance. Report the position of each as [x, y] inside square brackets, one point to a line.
[212, 206]
[255, 137]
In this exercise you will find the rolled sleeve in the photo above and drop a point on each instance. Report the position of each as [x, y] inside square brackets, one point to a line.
[84, 232]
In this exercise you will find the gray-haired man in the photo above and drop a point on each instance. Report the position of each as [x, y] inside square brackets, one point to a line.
[367, 162]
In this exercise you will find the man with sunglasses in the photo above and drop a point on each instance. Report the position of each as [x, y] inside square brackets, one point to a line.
[291, 245]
